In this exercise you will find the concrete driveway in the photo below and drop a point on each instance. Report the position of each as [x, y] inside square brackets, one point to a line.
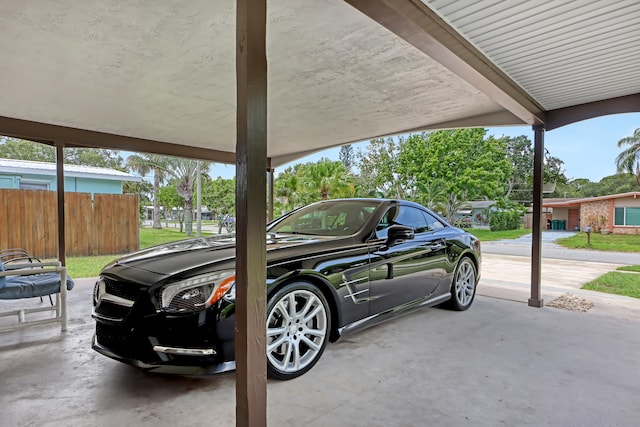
[499, 363]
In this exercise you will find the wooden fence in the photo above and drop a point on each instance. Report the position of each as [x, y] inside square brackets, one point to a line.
[107, 225]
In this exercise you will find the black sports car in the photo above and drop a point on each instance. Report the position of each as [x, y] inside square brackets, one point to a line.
[332, 267]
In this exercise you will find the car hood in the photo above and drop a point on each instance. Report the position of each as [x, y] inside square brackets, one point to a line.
[202, 253]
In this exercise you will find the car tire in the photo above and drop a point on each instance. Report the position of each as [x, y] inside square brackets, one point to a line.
[298, 326]
[463, 285]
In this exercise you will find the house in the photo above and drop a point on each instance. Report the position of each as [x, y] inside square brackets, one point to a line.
[475, 211]
[616, 213]
[29, 175]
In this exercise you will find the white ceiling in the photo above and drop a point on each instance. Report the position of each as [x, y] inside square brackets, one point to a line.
[165, 71]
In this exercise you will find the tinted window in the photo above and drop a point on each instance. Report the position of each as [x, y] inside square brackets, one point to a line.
[433, 222]
[402, 215]
[333, 218]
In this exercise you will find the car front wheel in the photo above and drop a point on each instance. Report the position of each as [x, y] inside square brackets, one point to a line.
[463, 286]
[298, 320]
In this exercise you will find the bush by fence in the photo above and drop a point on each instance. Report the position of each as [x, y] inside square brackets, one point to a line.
[106, 225]
[504, 220]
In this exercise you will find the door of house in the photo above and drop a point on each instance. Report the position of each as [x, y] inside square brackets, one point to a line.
[573, 220]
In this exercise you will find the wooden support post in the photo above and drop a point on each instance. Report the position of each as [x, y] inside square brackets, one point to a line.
[62, 248]
[251, 164]
[536, 247]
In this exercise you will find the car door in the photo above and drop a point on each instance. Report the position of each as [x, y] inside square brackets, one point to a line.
[407, 270]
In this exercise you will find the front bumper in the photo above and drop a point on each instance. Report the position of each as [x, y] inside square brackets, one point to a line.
[212, 369]
[130, 329]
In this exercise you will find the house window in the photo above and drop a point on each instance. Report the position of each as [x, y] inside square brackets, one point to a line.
[627, 216]
[27, 184]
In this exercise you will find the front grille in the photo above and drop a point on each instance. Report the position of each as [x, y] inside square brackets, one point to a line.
[115, 300]
[112, 311]
[124, 290]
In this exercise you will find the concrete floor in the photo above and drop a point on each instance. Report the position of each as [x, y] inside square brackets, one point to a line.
[499, 363]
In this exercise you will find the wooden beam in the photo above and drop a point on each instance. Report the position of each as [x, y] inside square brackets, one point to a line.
[536, 247]
[72, 137]
[564, 116]
[251, 164]
[420, 26]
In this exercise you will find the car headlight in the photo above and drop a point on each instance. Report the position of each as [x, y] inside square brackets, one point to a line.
[196, 293]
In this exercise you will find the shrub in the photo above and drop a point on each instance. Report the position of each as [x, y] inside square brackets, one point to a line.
[504, 220]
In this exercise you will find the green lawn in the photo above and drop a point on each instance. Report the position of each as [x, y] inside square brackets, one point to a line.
[629, 268]
[78, 267]
[618, 283]
[488, 235]
[611, 242]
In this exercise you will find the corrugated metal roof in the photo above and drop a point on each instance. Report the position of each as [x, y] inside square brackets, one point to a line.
[562, 53]
[44, 168]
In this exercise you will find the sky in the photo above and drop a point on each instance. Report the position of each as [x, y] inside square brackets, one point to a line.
[588, 148]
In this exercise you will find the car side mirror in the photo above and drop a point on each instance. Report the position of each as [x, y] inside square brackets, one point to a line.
[399, 234]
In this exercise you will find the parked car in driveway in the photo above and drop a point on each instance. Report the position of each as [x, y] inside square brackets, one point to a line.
[333, 267]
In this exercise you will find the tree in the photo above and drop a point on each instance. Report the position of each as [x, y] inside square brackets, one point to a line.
[20, 149]
[220, 197]
[432, 195]
[463, 159]
[288, 189]
[327, 178]
[145, 164]
[347, 157]
[169, 198]
[184, 172]
[629, 160]
[520, 156]
[378, 164]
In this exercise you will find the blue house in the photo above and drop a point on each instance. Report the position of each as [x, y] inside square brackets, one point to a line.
[28, 175]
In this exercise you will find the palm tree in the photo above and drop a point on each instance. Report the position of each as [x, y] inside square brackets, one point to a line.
[328, 178]
[629, 159]
[185, 172]
[144, 164]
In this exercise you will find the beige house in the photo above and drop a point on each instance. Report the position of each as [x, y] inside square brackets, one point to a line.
[616, 213]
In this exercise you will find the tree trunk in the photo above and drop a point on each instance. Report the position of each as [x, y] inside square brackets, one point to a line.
[156, 204]
[188, 217]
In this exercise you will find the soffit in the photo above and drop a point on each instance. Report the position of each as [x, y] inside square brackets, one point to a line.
[563, 53]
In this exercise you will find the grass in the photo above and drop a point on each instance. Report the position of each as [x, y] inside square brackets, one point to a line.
[629, 268]
[488, 235]
[78, 267]
[151, 237]
[611, 242]
[618, 283]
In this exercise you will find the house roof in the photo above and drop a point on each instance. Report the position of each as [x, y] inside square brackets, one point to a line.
[550, 203]
[78, 171]
[160, 76]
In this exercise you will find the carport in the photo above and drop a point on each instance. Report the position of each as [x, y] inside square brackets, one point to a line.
[191, 79]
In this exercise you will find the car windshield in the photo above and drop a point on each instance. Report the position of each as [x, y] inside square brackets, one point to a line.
[332, 218]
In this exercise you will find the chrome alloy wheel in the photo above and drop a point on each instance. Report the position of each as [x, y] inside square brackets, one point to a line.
[297, 328]
[464, 283]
